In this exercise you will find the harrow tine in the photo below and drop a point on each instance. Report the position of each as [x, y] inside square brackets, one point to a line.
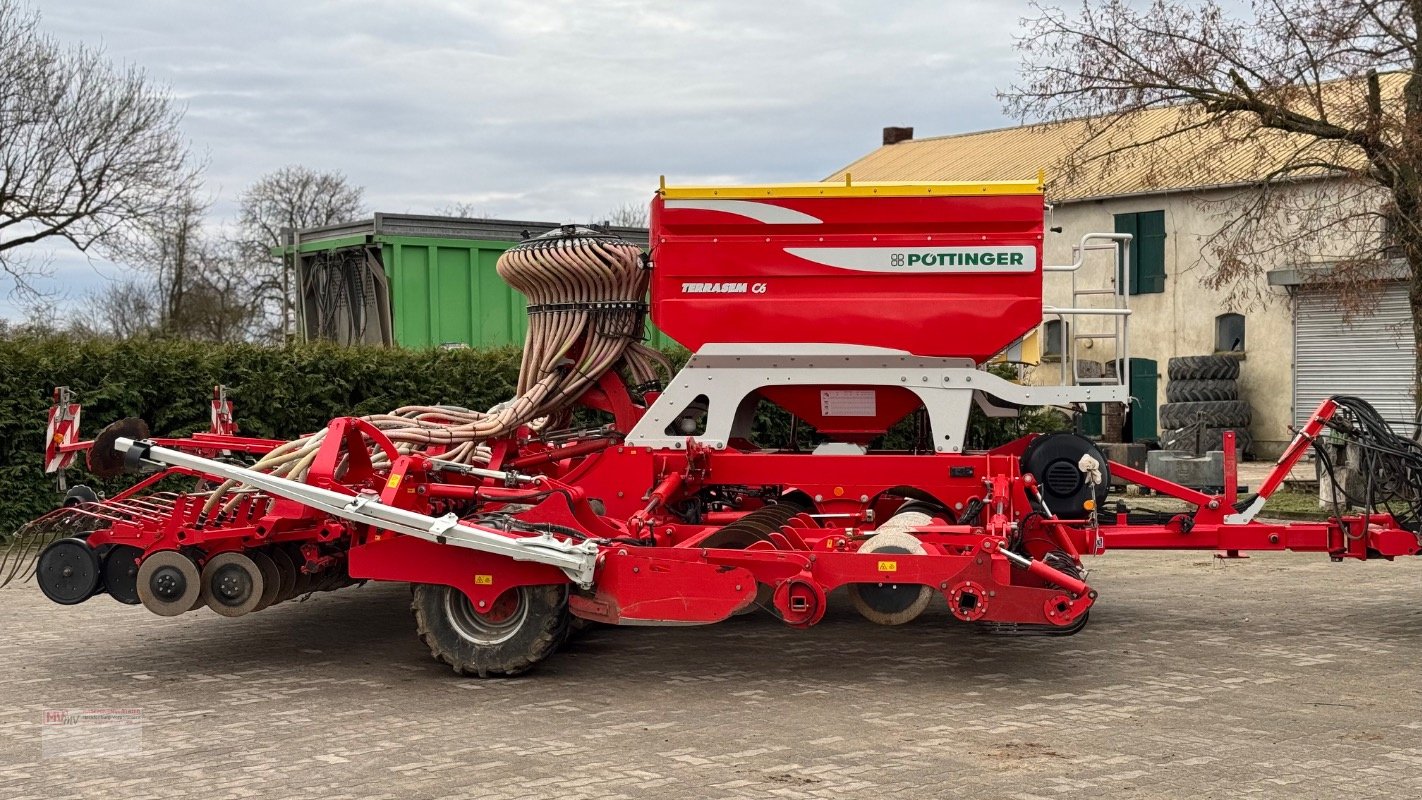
[22, 557]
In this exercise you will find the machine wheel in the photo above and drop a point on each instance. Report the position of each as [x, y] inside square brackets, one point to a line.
[169, 583]
[1199, 441]
[271, 578]
[1201, 391]
[232, 584]
[286, 572]
[305, 582]
[68, 571]
[78, 495]
[1190, 368]
[1213, 439]
[1213, 414]
[120, 571]
[522, 627]
[891, 603]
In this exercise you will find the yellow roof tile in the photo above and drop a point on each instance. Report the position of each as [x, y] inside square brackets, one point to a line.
[1228, 153]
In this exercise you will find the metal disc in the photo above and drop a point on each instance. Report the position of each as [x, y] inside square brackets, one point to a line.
[232, 584]
[168, 583]
[891, 603]
[103, 459]
[304, 580]
[286, 571]
[68, 571]
[271, 579]
[120, 570]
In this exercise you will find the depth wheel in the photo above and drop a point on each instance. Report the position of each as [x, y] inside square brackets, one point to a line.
[891, 603]
[271, 578]
[120, 569]
[286, 573]
[169, 583]
[521, 628]
[68, 571]
[232, 584]
[305, 581]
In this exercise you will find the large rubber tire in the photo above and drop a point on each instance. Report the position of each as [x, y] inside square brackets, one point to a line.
[1201, 391]
[475, 644]
[1199, 441]
[1213, 414]
[1192, 368]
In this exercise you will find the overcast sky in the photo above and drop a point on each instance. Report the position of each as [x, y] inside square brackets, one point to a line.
[546, 109]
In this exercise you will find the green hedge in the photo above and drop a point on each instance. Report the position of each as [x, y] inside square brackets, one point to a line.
[277, 392]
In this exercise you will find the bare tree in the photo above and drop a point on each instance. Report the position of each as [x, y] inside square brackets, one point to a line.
[169, 247]
[291, 198]
[1317, 107]
[222, 299]
[87, 148]
[627, 215]
[463, 210]
[123, 309]
[197, 285]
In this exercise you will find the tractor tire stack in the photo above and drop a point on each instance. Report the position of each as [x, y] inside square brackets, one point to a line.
[1202, 402]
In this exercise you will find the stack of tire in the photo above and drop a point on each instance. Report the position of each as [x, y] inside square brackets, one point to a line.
[1202, 403]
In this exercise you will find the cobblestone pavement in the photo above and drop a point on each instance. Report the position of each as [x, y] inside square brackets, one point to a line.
[1279, 676]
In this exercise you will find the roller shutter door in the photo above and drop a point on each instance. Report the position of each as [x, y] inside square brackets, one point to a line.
[1371, 358]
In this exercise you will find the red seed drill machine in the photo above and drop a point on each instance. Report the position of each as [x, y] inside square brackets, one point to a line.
[609, 490]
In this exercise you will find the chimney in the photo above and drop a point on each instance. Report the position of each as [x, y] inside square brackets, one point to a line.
[896, 135]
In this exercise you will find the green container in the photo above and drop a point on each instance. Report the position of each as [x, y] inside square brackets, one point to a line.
[415, 281]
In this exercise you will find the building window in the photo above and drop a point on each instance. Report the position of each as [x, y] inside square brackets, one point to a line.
[1147, 229]
[1229, 333]
[1054, 334]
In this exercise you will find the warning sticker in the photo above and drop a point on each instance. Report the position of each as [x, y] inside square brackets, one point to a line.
[848, 403]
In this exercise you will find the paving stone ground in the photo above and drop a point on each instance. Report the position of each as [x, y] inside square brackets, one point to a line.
[1279, 676]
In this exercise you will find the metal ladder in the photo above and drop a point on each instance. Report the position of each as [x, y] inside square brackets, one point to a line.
[1084, 304]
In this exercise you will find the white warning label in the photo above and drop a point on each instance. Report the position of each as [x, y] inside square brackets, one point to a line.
[848, 403]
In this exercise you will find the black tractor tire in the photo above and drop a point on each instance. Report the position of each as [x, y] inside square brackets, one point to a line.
[1212, 414]
[1198, 440]
[1213, 439]
[1202, 368]
[473, 644]
[1201, 391]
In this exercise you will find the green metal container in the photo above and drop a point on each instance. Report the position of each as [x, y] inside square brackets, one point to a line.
[415, 281]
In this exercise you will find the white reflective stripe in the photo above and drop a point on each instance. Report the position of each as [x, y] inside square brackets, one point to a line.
[1248, 514]
[922, 260]
[752, 209]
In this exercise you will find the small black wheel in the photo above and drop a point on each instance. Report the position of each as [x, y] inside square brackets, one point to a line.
[68, 571]
[120, 570]
[79, 494]
[523, 626]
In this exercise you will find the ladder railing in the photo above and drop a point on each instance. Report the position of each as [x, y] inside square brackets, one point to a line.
[1118, 311]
